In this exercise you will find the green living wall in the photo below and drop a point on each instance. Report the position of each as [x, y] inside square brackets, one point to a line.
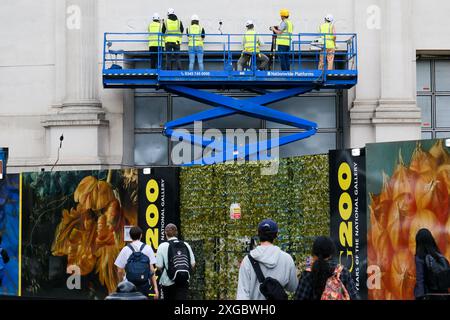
[296, 198]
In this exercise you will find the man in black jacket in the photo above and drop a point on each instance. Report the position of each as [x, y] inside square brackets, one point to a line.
[173, 30]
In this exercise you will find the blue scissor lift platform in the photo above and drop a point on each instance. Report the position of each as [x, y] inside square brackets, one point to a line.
[126, 64]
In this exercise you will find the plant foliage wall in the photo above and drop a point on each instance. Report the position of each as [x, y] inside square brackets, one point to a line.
[296, 198]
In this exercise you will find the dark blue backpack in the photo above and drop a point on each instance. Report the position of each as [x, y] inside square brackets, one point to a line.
[138, 267]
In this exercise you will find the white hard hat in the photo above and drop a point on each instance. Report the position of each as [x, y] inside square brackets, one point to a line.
[248, 23]
[156, 16]
[171, 11]
[194, 17]
[329, 17]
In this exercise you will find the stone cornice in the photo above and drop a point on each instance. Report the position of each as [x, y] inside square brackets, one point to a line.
[363, 111]
[71, 118]
[392, 111]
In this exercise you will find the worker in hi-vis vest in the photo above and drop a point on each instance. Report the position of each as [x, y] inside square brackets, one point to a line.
[173, 31]
[251, 44]
[155, 40]
[284, 38]
[328, 40]
[196, 35]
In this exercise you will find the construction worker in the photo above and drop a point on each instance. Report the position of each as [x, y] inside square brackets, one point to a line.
[196, 35]
[328, 41]
[173, 30]
[155, 40]
[251, 45]
[284, 38]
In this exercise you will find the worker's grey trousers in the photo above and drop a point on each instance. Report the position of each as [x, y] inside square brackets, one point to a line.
[245, 58]
[173, 53]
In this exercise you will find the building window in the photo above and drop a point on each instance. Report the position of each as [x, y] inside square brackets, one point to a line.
[433, 96]
[150, 149]
[152, 109]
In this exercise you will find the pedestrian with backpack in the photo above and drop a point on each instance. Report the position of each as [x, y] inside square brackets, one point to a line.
[176, 260]
[267, 272]
[326, 279]
[432, 269]
[135, 264]
[4, 259]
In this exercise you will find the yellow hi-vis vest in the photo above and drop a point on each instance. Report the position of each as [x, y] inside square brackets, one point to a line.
[250, 42]
[285, 38]
[173, 33]
[327, 27]
[155, 38]
[195, 39]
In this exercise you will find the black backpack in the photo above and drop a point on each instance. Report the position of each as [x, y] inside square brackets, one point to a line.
[270, 288]
[179, 260]
[138, 267]
[439, 271]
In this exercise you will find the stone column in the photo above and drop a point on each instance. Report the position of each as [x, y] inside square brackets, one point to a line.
[397, 116]
[368, 26]
[81, 51]
[79, 116]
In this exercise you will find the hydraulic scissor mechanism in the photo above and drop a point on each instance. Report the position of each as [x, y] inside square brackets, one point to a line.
[225, 150]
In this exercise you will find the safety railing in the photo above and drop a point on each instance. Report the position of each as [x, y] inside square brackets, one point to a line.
[225, 53]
